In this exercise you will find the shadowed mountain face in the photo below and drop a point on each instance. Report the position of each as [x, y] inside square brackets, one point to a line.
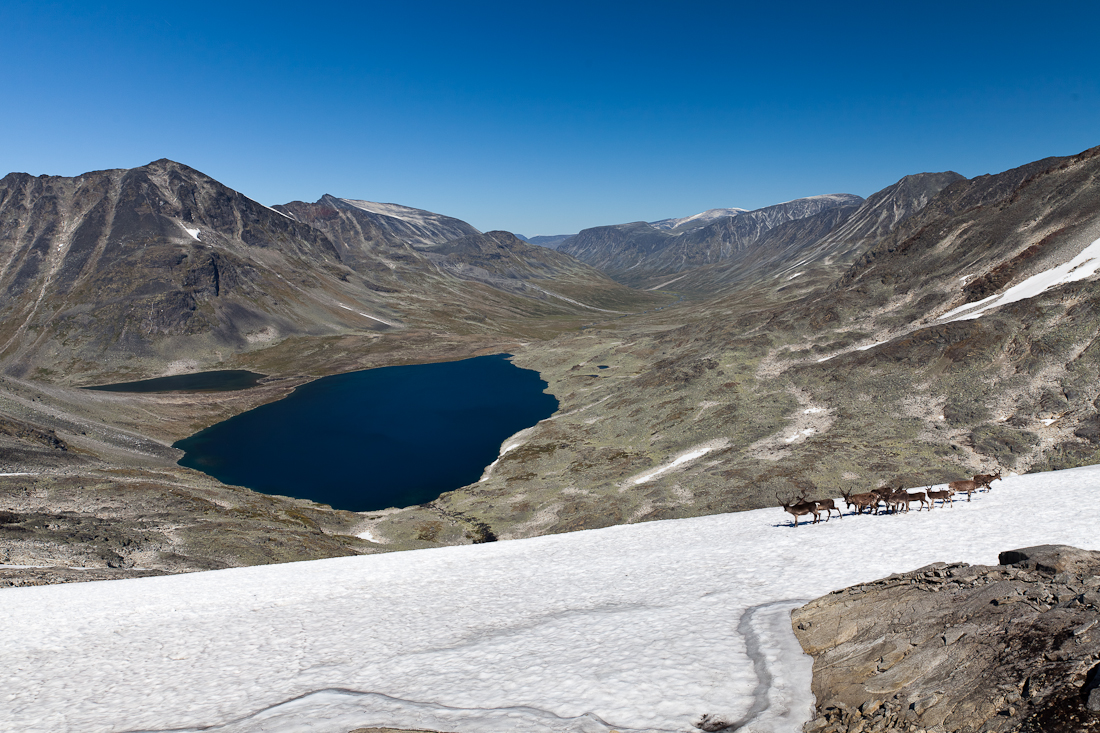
[156, 262]
[402, 248]
[134, 271]
[801, 254]
[638, 253]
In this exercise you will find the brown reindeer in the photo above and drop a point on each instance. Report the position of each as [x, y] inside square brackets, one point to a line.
[800, 507]
[828, 506]
[967, 487]
[860, 501]
[985, 479]
[945, 495]
[908, 498]
[881, 494]
[893, 498]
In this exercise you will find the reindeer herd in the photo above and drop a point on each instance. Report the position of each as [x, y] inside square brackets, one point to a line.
[886, 499]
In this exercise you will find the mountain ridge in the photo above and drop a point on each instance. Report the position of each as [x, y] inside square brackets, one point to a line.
[638, 252]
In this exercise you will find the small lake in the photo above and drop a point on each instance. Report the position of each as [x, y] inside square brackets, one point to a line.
[225, 380]
[387, 437]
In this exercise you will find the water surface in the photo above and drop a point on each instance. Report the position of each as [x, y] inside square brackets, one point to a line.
[388, 437]
[225, 380]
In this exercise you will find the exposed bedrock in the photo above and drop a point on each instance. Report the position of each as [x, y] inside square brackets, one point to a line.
[961, 648]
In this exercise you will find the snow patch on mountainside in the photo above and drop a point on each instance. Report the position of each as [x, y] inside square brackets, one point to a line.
[686, 457]
[1080, 267]
[405, 213]
[700, 219]
[648, 626]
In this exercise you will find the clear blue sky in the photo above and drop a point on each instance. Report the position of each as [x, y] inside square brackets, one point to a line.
[548, 118]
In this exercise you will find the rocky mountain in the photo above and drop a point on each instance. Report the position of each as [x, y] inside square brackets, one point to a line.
[638, 253]
[695, 221]
[954, 647]
[155, 263]
[402, 223]
[817, 248]
[405, 250]
[161, 268]
[551, 241]
[854, 381]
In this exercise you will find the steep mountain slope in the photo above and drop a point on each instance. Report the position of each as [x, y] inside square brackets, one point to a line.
[402, 223]
[407, 250]
[161, 268]
[636, 253]
[696, 220]
[816, 249]
[155, 264]
[719, 404]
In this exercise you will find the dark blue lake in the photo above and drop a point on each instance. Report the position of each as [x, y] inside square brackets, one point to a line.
[226, 380]
[388, 437]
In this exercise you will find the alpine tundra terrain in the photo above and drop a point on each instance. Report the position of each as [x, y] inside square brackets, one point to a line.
[942, 327]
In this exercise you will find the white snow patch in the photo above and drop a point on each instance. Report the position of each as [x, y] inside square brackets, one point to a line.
[397, 211]
[22, 473]
[792, 277]
[570, 300]
[1080, 267]
[285, 216]
[813, 410]
[668, 282]
[1048, 421]
[800, 434]
[365, 315]
[696, 452]
[643, 626]
[193, 232]
[510, 444]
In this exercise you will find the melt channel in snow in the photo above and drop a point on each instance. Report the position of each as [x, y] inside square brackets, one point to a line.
[645, 627]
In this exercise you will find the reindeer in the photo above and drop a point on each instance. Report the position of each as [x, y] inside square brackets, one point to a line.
[985, 479]
[860, 501]
[828, 506]
[888, 495]
[967, 487]
[945, 495]
[800, 507]
[907, 498]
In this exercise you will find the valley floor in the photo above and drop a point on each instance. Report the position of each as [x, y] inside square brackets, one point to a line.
[651, 626]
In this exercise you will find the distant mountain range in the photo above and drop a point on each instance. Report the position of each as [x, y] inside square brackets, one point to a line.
[551, 241]
[133, 270]
[639, 253]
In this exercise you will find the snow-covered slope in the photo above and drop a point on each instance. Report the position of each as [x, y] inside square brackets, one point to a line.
[696, 219]
[645, 626]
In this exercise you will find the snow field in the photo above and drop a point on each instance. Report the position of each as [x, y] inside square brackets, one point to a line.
[644, 626]
[1080, 267]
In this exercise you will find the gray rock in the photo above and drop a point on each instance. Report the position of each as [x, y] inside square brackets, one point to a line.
[952, 647]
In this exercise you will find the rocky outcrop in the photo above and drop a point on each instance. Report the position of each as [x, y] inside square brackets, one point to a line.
[955, 647]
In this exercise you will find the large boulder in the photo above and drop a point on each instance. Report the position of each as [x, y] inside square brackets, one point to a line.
[955, 647]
